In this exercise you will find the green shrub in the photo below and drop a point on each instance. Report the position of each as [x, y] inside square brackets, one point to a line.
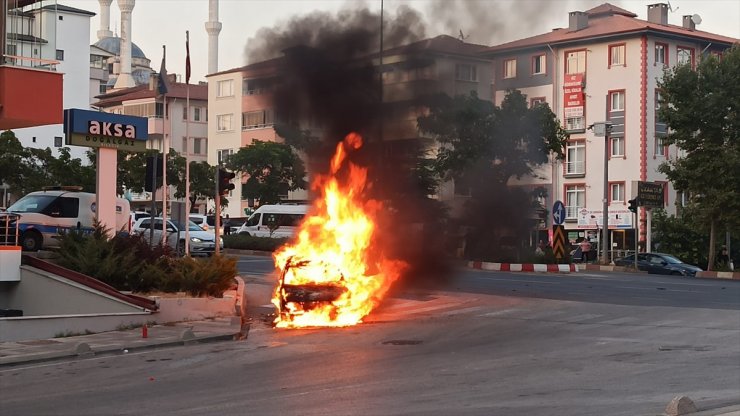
[127, 262]
[248, 242]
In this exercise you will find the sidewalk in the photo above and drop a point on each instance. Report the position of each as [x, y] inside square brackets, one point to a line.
[121, 342]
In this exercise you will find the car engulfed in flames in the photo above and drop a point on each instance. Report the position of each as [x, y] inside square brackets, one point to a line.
[335, 272]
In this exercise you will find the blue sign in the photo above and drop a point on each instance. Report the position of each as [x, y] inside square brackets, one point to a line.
[99, 129]
[558, 213]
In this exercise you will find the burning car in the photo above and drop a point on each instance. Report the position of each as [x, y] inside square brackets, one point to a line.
[306, 285]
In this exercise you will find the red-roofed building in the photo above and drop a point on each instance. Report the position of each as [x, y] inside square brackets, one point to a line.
[165, 123]
[604, 67]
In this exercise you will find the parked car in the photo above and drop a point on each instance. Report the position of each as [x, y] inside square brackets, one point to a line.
[201, 242]
[659, 263]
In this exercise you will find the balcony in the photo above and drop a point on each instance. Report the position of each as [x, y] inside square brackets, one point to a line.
[30, 95]
[156, 125]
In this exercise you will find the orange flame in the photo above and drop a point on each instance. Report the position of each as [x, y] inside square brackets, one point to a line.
[337, 244]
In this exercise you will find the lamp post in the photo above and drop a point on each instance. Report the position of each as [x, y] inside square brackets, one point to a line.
[603, 129]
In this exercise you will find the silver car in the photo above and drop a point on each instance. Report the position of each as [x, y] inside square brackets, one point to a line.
[201, 242]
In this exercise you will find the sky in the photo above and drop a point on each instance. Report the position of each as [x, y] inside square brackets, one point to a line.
[164, 22]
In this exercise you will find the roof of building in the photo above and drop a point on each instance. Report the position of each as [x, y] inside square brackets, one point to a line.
[25, 38]
[441, 44]
[176, 90]
[608, 20]
[112, 44]
[67, 9]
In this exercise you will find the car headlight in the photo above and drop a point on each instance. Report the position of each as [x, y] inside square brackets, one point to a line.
[196, 239]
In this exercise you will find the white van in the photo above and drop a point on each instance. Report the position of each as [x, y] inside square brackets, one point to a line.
[286, 218]
[46, 214]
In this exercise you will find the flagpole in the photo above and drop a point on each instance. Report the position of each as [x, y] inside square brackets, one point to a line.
[187, 144]
[165, 148]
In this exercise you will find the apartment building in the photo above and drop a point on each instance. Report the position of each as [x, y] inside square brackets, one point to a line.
[240, 101]
[171, 121]
[604, 67]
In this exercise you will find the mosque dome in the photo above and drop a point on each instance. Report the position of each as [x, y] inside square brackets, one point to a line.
[112, 44]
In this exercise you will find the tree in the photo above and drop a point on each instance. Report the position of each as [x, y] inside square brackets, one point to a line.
[503, 142]
[272, 169]
[483, 146]
[701, 109]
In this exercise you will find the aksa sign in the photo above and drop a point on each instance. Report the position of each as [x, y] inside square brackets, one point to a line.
[98, 129]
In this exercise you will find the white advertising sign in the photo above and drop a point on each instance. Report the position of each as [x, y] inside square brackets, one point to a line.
[618, 218]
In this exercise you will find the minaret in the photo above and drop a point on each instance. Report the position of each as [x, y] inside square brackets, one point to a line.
[104, 31]
[213, 27]
[125, 79]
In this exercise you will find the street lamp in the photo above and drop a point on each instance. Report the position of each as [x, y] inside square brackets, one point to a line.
[602, 129]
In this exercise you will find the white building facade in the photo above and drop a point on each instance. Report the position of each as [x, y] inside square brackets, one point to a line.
[604, 67]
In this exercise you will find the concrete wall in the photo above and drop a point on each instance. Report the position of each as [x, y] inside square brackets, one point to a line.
[45, 327]
[41, 294]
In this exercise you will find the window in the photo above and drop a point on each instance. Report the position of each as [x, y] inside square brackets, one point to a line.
[257, 119]
[466, 72]
[617, 147]
[575, 123]
[205, 110]
[616, 55]
[199, 146]
[196, 114]
[575, 158]
[575, 62]
[617, 101]
[538, 64]
[657, 101]
[103, 87]
[510, 68]
[61, 17]
[224, 122]
[617, 192]
[223, 155]
[57, 141]
[257, 86]
[184, 113]
[60, 55]
[185, 147]
[661, 53]
[575, 200]
[684, 55]
[533, 102]
[661, 148]
[226, 88]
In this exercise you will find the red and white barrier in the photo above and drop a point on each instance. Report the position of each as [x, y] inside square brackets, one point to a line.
[523, 267]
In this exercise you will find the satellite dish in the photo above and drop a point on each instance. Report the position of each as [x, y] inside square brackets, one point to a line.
[696, 19]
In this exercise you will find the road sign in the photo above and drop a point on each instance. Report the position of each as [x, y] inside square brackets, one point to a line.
[650, 194]
[558, 241]
[558, 213]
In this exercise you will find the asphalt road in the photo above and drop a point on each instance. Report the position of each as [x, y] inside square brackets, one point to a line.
[490, 344]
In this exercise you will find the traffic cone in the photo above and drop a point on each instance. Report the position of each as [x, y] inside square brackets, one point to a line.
[144, 331]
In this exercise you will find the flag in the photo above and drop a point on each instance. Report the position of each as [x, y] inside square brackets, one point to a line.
[162, 81]
[187, 57]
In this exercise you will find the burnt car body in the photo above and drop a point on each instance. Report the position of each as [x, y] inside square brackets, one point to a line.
[298, 298]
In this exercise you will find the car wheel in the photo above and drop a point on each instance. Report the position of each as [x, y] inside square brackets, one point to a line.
[31, 241]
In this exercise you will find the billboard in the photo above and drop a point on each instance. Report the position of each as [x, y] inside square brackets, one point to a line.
[617, 218]
[99, 129]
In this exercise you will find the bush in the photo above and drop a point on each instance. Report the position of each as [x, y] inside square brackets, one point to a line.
[128, 262]
[248, 242]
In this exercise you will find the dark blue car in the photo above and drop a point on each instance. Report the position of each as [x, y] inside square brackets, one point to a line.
[659, 263]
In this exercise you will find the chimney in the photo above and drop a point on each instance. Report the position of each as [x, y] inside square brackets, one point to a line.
[577, 21]
[688, 23]
[658, 13]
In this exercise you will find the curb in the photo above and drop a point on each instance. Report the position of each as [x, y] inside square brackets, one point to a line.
[83, 350]
[719, 275]
[523, 267]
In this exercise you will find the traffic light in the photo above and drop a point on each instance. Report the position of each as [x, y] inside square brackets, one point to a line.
[634, 203]
[224, 181]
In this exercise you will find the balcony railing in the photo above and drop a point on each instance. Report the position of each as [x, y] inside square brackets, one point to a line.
[28, 62]
[571, 211]
[575, 168]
